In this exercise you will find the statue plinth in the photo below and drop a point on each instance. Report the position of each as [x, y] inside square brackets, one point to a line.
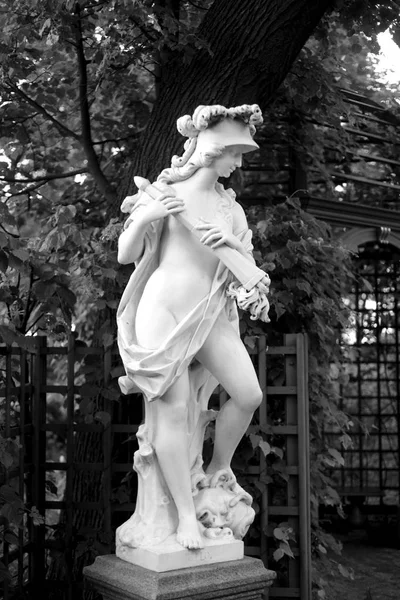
[116, 579]
[170, 555]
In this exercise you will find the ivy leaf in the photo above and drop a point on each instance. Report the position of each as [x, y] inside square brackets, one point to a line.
[278, 554]
[109, 273]
[3, 240]
[336, 455]
[8, 494]
[35, 515]
[9, 336]
[346, 572]
[89, 390]
[5, 574]
[12, 506]
[305, 287]
[331, 497]
[265, 447]
[277, 451]
[117, 371]
[6, 459]
[280, 534]
[3, 261]
[284, 546]
[255, 440]
[51, 487]
[103, 416]
[108, 339]
[11, 538]
[280, 308]
[250, 341]
[111, 394]
[21, 254]
[346, 441]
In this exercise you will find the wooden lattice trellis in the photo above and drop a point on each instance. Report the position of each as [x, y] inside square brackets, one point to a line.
[31, 377]
[370, 394]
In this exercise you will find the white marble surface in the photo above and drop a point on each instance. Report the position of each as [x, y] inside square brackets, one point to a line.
[170, 555]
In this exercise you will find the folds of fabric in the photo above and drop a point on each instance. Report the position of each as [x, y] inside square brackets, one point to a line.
[153, 371]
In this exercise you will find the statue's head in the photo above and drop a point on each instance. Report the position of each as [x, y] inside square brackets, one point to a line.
[211, 131]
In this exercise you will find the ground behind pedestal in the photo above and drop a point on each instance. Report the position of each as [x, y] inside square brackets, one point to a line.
[376, 571]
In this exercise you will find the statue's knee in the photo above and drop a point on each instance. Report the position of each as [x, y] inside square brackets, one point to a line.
[255, 399]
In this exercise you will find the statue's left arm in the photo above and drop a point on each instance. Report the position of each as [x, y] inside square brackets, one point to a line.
[217, 235]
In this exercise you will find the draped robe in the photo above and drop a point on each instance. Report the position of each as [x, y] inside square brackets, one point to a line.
[153, 371]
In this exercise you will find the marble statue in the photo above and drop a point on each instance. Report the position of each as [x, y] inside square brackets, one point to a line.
[178, 335]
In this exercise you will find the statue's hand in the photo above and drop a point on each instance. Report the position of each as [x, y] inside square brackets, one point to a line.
[216, 236]
[159, 202]
[264, 284]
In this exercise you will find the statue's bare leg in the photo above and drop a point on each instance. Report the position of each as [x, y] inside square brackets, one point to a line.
[226, 357]
[171, 446]
[170, 438]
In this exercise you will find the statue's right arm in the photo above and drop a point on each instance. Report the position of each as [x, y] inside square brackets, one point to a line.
[131, 240]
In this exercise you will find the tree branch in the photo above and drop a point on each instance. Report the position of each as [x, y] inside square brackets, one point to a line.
[49, 177]
[87, 8]
[63, 129]
[197, 6]
[27, 305]
[143, 30]
[14, 235]
[28, 190]
[117, 140]
[86, 139]
[34, 323]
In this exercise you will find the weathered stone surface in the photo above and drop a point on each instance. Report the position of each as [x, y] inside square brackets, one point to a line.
[115, 579]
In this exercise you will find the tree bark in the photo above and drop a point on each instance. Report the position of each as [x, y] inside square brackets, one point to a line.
[252, 46]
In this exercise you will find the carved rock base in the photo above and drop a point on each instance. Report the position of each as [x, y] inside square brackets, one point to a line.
[116, 579]
[170, 555]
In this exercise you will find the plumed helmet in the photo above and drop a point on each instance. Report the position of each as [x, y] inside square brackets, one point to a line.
[217, 126]
[228, 132]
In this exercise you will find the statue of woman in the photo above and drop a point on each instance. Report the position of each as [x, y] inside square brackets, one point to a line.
[178, 331]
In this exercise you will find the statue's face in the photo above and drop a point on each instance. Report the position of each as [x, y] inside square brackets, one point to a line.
[230, 159]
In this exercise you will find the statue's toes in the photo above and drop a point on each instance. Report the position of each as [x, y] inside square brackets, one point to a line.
[189, 541]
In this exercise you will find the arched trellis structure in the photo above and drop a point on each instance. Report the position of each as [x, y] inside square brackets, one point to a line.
[356, 237]
[357, 193]
[369, 480]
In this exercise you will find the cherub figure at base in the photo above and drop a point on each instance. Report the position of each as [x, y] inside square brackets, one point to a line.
[178, 334]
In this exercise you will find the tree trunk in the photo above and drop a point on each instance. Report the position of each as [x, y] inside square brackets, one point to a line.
[252, 46]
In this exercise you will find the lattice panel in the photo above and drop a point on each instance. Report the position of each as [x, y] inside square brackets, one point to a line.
[66, 485]
[372, 393]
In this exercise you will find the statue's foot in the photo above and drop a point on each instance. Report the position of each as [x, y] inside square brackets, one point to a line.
[188, 534]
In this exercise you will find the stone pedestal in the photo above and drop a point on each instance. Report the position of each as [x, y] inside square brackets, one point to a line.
[116, 579]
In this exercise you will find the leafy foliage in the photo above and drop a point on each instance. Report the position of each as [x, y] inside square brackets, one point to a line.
[13, 511]
[77, 85]
[308, 270]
